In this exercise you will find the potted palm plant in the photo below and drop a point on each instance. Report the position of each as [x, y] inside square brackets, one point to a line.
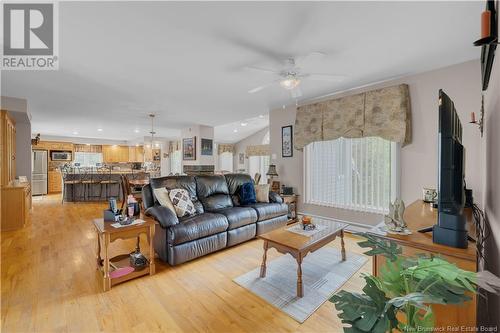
[400, 297]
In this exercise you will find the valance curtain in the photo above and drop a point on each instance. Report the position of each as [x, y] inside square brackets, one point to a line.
[88, 148]
[225, 148]
[384, 113]
[258, 150]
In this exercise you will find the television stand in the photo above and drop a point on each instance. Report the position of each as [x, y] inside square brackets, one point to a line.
[419, 215]
[429, 229]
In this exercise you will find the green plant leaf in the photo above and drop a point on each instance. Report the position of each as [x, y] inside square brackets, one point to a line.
[379, 246]
[365, 312]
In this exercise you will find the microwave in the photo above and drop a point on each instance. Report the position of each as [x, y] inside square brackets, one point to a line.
[61, 155]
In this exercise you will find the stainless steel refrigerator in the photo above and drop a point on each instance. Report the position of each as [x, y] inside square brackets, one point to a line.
[39, 172]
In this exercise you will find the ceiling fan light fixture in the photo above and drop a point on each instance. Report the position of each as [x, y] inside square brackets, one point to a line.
[289, 82]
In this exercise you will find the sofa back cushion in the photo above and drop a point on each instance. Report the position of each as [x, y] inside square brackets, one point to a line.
[234, 182]
[213, 193]
[187, 183]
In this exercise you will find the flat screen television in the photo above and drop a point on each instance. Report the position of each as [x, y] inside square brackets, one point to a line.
[451, 227]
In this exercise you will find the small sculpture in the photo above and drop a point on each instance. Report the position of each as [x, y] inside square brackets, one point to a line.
[394, 221]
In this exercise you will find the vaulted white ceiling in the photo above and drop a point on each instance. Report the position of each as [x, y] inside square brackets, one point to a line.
[120, 61]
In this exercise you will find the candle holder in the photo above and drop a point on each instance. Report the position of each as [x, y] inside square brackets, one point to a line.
[480, 122]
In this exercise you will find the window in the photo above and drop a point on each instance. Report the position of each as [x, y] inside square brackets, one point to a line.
[358, 174]
[87, 159]
[176, 162]
[259, 164]
[226, 162]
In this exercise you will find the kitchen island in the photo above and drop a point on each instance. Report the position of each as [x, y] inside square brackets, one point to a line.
[96, 186]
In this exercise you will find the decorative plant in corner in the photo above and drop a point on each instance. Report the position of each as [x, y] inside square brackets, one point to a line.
[400, 297]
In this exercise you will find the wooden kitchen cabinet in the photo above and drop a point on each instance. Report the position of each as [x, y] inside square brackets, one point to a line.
[16, 205]
[114, 154]
[136, 154]
[54, 145]
[8, 154]
[54, 182]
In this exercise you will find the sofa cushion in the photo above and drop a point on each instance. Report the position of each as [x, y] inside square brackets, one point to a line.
[267, 211]
[213, 193]
[185, 182]
[238, 216]
[262, 192]
[247, 194]
[234, 182]
[195, 227]
[182, 203]
[162, 196]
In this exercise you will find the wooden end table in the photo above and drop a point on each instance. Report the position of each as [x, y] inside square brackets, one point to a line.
[106, 234]
[291, 201]
[298, 246]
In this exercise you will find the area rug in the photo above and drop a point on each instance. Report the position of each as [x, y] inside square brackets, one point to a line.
[323, 273]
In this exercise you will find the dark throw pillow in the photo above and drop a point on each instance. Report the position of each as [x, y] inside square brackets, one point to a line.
[247, 194]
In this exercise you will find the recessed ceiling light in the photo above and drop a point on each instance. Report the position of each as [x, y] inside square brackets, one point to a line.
[261, 116]
[244, 124]
[75, 133]
[99, 130]
[235, 130]
[87, 144]
[136, 131]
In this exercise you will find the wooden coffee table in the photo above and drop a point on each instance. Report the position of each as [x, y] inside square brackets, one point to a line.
[285, 241]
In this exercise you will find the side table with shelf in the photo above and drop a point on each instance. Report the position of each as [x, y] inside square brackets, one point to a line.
[291, 201]
[106, 234]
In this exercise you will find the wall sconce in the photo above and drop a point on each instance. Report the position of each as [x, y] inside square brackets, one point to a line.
[479, 122]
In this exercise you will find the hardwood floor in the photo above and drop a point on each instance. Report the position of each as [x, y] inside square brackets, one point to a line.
[50, 284]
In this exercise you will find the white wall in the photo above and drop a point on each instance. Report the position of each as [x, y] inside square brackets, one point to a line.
[240, 147]
[200, 131]
[419, 159]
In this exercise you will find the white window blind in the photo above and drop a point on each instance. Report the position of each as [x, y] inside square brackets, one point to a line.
[259, 164]
[358, 174]
[226, 161]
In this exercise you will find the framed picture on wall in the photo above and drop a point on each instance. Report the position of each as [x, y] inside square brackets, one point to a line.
[189, 149]
[207, 147]
[286, 141]
[241, 158]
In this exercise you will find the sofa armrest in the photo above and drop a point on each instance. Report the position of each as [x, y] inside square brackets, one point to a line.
[165, 217]
[275, 197]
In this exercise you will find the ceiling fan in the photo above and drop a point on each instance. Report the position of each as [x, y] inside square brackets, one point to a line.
[291, 75]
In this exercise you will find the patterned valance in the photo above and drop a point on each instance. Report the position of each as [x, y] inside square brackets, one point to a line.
[174, 146]
[258, 150]
[385, 113]
[225, 148]
[87, 148]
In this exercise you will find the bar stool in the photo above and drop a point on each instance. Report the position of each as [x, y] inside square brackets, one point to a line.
[108, 181]
[93, 179]
[69, 177]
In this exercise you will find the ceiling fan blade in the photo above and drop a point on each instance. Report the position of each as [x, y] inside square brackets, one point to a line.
[323, 77]
[260, 69]
[255, 48]
[257, 89]
[299, 60]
